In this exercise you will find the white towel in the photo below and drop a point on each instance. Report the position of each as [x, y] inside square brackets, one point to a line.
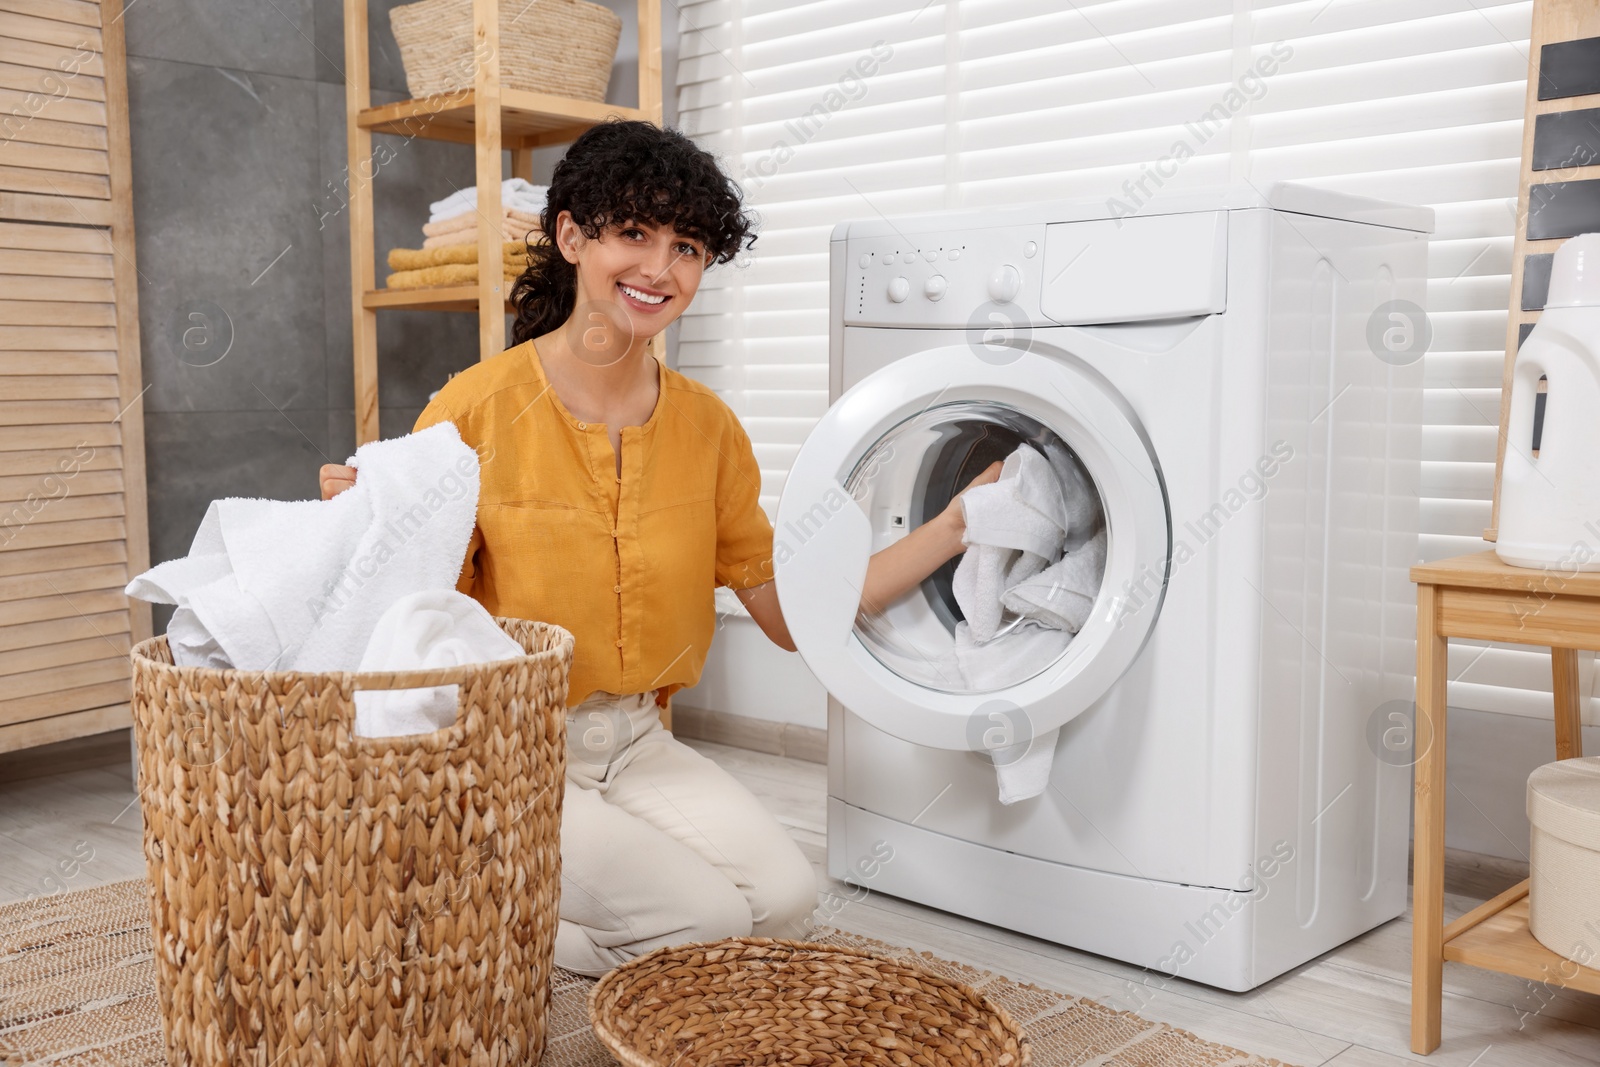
[521, 204]
[985, 665]
[1022, 769]
[1062, 594]
[514, 192]
[1022, 509]
[428, 628]
[300, 584]
[510, 189]
[1016, 526]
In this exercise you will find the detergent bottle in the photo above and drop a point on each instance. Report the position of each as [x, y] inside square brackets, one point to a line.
[1550, 498]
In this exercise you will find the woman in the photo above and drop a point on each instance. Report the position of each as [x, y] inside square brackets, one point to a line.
[615, 494]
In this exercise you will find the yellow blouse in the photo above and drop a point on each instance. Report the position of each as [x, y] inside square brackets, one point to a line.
[629, 563]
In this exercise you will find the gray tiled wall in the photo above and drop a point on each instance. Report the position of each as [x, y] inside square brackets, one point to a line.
[239, 171]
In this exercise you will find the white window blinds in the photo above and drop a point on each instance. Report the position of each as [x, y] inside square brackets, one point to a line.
[856, 108]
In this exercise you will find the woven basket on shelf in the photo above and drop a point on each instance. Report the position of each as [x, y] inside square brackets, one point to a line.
[319, 898]
[563, 47]
[760, 1000]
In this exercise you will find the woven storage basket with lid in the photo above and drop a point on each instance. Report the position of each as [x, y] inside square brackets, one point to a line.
[1564, 858]
[564, 47]
[318, 898]
[760, 1000]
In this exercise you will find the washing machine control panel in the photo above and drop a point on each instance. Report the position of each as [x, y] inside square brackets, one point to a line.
[955, 278]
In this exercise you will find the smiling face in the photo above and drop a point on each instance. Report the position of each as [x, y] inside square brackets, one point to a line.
[648, 272]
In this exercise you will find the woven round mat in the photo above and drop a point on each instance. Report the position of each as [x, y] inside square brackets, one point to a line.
[765, 1000]
[78, 987]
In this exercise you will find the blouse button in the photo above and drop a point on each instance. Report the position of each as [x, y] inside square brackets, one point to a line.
[616, 589]
[613, 532]
[583, 425]
[619, 642]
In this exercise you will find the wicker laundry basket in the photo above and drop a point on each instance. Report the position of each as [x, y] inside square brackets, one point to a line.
[318, 898]
[564, 47]
[756, 1000]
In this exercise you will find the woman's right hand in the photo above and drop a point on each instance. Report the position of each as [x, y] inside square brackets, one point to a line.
[952, 514]
[335, 479]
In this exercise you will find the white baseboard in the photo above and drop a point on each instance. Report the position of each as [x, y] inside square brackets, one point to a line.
[759, 735]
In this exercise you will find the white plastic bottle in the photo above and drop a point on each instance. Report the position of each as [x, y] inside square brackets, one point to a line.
[1550, 503]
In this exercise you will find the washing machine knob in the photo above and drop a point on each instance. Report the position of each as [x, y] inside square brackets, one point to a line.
[899, 289]
[1004, 283]
[934, 287]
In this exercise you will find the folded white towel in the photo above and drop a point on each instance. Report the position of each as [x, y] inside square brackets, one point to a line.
[511, 187]
[524, 205]
[300, 584]
[429, 628]
[1063, 593]
[514, 192]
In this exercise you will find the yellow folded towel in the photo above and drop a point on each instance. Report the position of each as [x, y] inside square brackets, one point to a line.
[470, 218]
[445, 274]
[514, 253]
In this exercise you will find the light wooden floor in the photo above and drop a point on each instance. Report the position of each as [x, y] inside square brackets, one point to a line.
[1348, 1008]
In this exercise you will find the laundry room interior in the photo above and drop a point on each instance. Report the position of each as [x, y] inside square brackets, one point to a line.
[964, 532]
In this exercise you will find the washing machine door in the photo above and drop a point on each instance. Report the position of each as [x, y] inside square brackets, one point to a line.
[888, 457]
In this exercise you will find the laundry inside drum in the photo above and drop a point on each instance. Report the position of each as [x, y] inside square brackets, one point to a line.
[1025, 607]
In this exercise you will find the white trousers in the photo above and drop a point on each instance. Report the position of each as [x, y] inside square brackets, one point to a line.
[660, 846]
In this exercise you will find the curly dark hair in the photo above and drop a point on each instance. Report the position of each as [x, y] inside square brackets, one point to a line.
[619, 171]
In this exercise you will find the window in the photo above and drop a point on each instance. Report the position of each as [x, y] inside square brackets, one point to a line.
[855, 108]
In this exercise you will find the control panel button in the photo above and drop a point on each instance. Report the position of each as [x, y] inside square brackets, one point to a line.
[899, 289]
[1030, 250]
[887, 258]
[908, 257]
[955, 254]
[866, 260]
[1004, 284]
[930, 254]
[934, 287]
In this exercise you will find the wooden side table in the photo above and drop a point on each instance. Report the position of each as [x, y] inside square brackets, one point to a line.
[1478, 597]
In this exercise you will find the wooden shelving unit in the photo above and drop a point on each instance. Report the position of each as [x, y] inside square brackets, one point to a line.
[490, 117]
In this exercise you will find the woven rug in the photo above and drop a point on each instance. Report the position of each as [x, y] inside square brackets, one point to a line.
[77, 987]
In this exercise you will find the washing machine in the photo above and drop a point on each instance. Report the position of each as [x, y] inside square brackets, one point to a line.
[1234, 375]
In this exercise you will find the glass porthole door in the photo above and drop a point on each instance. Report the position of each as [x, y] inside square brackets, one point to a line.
[889, 456]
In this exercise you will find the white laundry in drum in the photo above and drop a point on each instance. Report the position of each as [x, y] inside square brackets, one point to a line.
[1037, 551]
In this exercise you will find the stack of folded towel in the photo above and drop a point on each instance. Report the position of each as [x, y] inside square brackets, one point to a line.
[364, 581]
[455, 219]
[449, 252]
[1037, 552]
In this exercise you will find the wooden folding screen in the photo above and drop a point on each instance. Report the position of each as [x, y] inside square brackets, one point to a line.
[73, 528]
